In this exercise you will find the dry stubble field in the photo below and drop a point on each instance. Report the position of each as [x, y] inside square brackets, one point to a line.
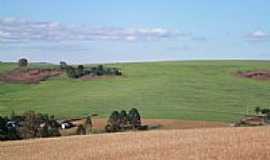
[190, 144]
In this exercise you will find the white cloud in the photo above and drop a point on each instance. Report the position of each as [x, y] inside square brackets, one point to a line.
[23, 30]
[258, 35]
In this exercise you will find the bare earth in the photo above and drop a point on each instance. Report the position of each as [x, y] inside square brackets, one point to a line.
[258, 75]
[189, 144]
[29, 76]
[168, 123]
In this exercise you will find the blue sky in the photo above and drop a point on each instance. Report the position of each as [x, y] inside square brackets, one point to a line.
[113, 31]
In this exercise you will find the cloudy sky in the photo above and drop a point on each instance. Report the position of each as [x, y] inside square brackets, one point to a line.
[100, 31]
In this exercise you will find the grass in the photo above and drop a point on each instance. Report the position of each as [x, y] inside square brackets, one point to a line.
[193, 144]
[191, 90]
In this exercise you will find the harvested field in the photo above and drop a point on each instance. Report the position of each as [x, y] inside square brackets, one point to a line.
[192, 144]
[29, 76]
[258, 75]
[168, 124]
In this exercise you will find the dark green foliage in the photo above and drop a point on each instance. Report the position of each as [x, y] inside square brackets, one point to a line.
[71, 72]
[37, 125]
[257, 110]
[123, 121]
[31, 124]
[80, 71]
[265, 111]
[134, 118]
[100, 70]
[3, 129]
[7, 132]
[63, 65]
[23, 62]
[114, 122]
[3, 122]
[123, 118]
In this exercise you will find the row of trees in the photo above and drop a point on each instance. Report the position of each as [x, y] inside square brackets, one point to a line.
[264, 111]
[119, 121]
[28, 125]
[80, 70]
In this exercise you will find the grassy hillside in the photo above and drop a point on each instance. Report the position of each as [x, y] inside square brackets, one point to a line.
[195, 90]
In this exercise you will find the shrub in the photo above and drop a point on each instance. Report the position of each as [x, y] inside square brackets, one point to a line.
[2, 123]
[114, 122]
[123, 118]
[80, 71]
[100, 70]
[63, 65]
[31, 124]
[134, 118]
[88, 125]
[23, 62]
[257, 110]
[71, 72]
[265, 111]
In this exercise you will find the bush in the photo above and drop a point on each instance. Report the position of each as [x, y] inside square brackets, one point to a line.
[257, 110]
[134, 118]
[38, 125]
[63, 65]
[100, 70]
[113, 122]
[123, 118]
[265, 111]
[23, 62]
[80, 71]
[31, 124]
[88, 125]
[71, 72]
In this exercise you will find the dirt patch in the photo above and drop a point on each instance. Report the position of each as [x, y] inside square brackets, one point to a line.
[258, 75]
[168, 124]
[29, 75]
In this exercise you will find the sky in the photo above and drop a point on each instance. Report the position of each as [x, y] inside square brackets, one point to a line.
[106, 31]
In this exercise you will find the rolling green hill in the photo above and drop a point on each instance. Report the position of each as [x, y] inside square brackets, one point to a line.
[194, 90]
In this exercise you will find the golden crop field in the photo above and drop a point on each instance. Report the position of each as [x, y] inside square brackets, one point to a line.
[191, 144]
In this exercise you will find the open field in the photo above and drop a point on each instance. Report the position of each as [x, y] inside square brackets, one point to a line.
[190, 90]
[193, 144]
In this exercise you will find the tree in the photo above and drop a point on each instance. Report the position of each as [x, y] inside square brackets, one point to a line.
[71, 72]
[123, 118]
[265, 111]
[23, 62]
[113, 122]
[63, 65]
[88, 125]
[100, 70]
[134, 118]
[31, 124]
[257, 110]
[80, 70]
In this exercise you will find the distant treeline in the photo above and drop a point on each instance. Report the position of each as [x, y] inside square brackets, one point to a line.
[80, 70]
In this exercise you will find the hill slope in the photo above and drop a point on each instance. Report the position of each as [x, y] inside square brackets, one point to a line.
[194, 90]
[210, 144]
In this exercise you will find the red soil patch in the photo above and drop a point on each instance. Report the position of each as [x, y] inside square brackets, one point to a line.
[258, 75]
[168, 124]
[29, 76]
